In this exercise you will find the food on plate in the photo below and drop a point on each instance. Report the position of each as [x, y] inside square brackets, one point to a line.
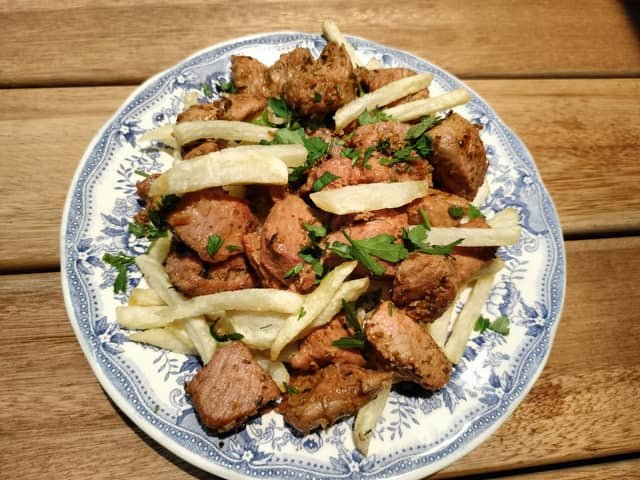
[311, 238]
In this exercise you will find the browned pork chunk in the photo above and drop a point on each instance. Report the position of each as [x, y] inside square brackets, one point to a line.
[375, 79]
[425, 285]
[193, 277]
[286, 67]
[283, 236]
[335, 392]
[205, 213]
[436, 206]
[459, 159]
[201, 111]
[402, 344]
[323, 86]
[248, 75]
[231, 388]
[252, 243]
[317, 349]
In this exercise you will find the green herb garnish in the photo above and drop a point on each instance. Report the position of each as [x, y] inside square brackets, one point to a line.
[146, 230]
[325, 179]
[280, 108]
[367, 155]
[293, 271]
[417, 238]
[499, 325]
[381, 246]
[226, 337]
[367, 117]
[317, 98]
[233, 247]
[141, 173]
[351, 153]
[425, 220]
[473, 212]
[290, 388]
[121, 262]
[214, 242]
[456, 212]
[301, 313]
[316, 232]
[206, 89]
[227, 87]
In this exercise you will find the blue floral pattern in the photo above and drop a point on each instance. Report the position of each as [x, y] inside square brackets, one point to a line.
[419, 432]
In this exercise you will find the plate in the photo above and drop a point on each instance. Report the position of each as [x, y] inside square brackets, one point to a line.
[419, 433]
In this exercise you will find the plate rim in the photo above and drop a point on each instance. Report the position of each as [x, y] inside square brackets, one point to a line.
[166, 441]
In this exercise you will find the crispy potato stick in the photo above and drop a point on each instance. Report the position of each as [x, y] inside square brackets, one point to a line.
[454, 348]
[380, 97]
[163, 338]
[313, 305]
[275, 369]
[253, 299]
[160, 248]
[190, 99]
[367, 418]
[482, 194]
[374, 64]
[333, 34]
[231, 166]
[140, 318]
[349, 292]
[259, 329]
[505, 218]
[475, 237]
[420, 108]
[368, 196]
[439, 328]
[162, 134]
[179, 329]
[489, 268]
[186, 132]
[144, 297]
[196, 327]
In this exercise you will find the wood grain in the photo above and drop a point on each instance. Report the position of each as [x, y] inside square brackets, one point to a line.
[82, 42]
[582, 134]
[61, 424]
[616, 470]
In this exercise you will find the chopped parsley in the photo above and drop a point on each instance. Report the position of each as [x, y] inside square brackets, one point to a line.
[121, 262]
[325, 179]
[227, 87]
[233, 247]
[349, 342]
[352, 154]
[425, 220]
[357, 340]
[419, 129]
[226, 337]
[280, 108]
[315, 263]
[293, 271]
[301, 313]
[141, 173]
[384, 147]
[207, 90]
[381, 246]
[367, 155]
[367, 117]
[361, 91]
[316, 232]
[456, 212]
[417, 240]
[499, 325]
[316, 148]
[290, 388]
[317, 98]
[473, 212]
[214, 242]
[146, 230]
[157, 214]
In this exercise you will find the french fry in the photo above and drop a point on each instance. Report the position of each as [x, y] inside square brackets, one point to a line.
[259, 329]
[140, 318]
[366, 419]
[504, 235]
[368, 196]
[313, 305]
[505, 218]
[380, 97]
[186, 132]
[252, 299]
[162, 134]
[160, 248]
[190, 99]
[275, 369]
[231, 166]
[144, 297]
[439, 328]
[462, 328]
[333, 34]
[349, 292]
[419, 108]
[483, 193]
[163, 338]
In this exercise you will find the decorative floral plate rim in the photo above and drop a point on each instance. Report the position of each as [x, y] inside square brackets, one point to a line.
[246, 454]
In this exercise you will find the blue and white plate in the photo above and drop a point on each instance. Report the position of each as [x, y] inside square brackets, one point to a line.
[418, 434]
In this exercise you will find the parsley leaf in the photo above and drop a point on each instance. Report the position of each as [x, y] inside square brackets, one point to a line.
[425, 220]
[301, 313]
[349, 342]
[352, 154]
[214, 242]
[157, 214]
[227, 87]
[121, 262]
[456, 212]
[499, 325]
[419, 129]
[141, 173]
[280, 108]
[473, 212]
[367, 117]
[233, 248]
[316, 148]
[317, 98]
[226, 337]
[285, 136]
[367, 155]
[325, 179]
[384, 147]
[146, 230]
[206, 89]
[293, 271]
[263, 119]
[290, 388]
[315, 263]
[316, 232]
[361, 91]
[357, 340]
[352, 320]
[417, 237]
[423, 146]
[381, 246]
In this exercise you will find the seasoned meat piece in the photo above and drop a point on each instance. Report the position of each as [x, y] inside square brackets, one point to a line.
[468, 260]
[231, 388]
[374, 79]
[252, 243]
[143, 186]
[242, 106]
[324, 86]
[193, 277]
[330, 394]
[204, 213]
[283, 236]
[367, 225]
[436, 205]
[196, 149]
[201, 111]
[402, 344]
[425, 285]
[248, 75]
[151, 203]
[286, 67]
[390, 134]
[459, 159]
[317, 349]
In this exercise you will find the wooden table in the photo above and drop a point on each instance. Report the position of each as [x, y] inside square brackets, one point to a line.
[566, 78]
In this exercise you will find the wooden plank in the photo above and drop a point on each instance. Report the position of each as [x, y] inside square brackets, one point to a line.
[583, 406]
[83, 42]
[582, 134]
[615, 470]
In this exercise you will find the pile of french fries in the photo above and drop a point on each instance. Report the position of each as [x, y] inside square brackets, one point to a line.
[271, 321]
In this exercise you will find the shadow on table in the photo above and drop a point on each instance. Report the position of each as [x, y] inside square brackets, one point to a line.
[632, 8]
